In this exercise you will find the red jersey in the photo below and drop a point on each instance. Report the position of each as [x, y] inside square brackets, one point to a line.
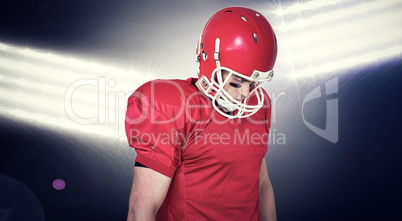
[214, 162]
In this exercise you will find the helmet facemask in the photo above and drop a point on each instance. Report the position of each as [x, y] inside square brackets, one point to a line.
[224, 103]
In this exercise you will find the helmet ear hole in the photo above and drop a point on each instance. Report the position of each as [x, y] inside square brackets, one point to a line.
[204, 55]
[255, 37]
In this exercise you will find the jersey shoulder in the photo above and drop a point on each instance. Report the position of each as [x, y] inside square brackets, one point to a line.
[178, 100]
[158, 93]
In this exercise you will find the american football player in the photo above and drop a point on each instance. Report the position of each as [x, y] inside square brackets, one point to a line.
[201, 142]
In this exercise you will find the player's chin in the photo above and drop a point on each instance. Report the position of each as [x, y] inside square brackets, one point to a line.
[238, 100]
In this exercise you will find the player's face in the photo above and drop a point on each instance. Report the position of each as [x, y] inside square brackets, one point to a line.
[239, 88]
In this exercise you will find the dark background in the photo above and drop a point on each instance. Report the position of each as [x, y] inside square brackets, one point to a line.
[358, 178]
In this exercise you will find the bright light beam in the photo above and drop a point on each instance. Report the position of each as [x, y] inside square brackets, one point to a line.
[371, 10]
[330, 36]
[339, 40]
[35, 85]
[63, 61]
[303, 7]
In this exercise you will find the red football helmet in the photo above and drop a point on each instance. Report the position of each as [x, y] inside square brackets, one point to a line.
[242, 42]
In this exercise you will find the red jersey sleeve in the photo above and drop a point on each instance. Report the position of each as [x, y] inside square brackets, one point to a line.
[152, 133]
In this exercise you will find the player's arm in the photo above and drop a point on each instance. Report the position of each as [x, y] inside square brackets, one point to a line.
[147, 194]
[267, 199]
